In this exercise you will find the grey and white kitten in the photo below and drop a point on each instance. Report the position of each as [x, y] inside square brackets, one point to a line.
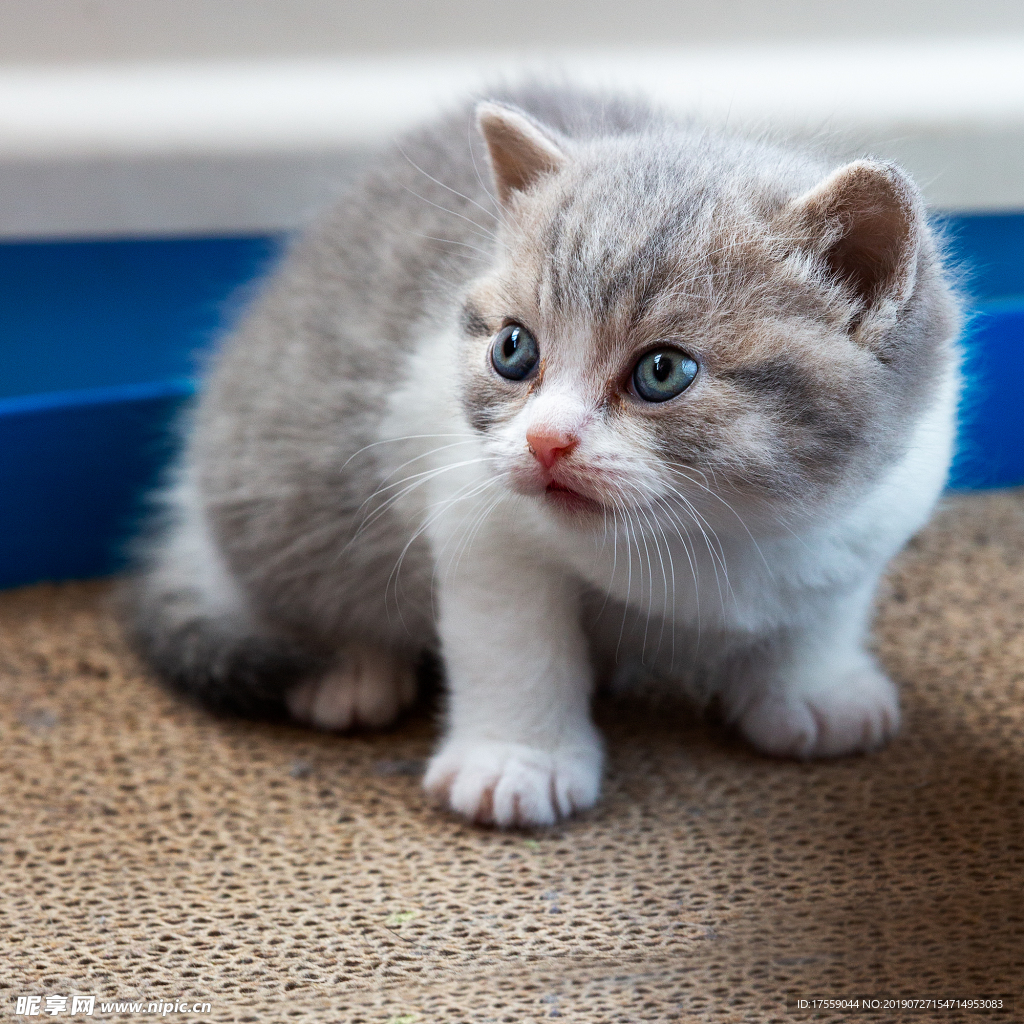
[564, 389]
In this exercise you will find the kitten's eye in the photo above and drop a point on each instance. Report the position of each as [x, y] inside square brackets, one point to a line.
[514, 353]
[663, 374]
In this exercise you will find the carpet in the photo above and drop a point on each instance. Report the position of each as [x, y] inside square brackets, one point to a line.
[153, 853]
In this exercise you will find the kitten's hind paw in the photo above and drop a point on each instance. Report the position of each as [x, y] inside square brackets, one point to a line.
[511, 784]
[857, 713]
[367, 687]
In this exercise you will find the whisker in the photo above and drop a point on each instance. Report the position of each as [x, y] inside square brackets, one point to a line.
[650, 571]
[655, 523]
[678, 467]
[500, 215]
[717, 553]
[664, 577]
[615, 557]
[466, 491]
[454, 191]
[486, 257]
[418, 480]
[405, 437]
[480, 518]
[691, 558]
[409, 462]
[629, 579]
[477, 229]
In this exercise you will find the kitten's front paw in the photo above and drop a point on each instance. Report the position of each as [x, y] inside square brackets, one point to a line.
[857, 713]
[367, 687]
[511, 784]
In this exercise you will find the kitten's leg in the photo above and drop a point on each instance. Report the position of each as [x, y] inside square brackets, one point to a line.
[367, 686]
[815, 691]
[520, 748]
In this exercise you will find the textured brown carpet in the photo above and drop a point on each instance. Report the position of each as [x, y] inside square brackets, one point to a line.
[152, 852]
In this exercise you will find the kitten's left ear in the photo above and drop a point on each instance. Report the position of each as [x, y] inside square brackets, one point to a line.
[865, 221]
[520, 151]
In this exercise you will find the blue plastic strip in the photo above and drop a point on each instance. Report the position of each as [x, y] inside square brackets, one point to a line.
[114, 395]
[78, 315]
[73, 481]
[989, 251]
[991, 435]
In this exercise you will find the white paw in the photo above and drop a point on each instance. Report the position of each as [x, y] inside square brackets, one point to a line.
[859, 712]
[367, 687]
[508, 784]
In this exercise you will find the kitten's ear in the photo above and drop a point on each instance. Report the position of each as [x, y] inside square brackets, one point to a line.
[865, 221]
[520, 150]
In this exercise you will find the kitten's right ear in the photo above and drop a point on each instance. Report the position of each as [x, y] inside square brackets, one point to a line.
[865, 220]
[521, 151]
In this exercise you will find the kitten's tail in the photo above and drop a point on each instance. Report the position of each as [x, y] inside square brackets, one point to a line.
[188, 620]
[211, 661]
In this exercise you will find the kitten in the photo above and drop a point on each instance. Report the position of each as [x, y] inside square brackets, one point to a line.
[566, 388]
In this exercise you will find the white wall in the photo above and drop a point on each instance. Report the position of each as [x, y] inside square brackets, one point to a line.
[117, 30]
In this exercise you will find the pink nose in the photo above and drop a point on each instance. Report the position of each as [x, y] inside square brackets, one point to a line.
[548, 444]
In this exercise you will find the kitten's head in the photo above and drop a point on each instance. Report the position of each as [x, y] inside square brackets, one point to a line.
[677, 317]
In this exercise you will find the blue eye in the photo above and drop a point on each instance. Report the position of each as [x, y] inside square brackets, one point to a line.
[663, 374]
[514, 353]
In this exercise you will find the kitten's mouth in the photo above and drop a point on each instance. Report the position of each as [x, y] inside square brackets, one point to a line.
[565, 499]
